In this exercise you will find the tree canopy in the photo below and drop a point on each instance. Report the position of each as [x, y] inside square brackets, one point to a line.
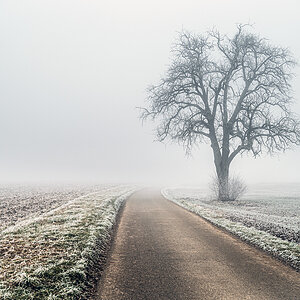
[233, 92]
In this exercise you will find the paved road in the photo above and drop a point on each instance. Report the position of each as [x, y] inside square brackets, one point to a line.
[162, 251]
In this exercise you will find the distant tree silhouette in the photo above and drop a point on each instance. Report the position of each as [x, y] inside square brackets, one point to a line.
[234, 92]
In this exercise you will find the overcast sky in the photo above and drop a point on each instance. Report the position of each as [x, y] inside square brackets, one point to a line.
[73, 72]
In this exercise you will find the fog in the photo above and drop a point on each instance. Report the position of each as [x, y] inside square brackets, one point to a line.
[74, 72]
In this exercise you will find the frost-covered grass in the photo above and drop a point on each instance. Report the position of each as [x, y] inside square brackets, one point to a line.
[267, 216]
[19, 202]
[57, 255]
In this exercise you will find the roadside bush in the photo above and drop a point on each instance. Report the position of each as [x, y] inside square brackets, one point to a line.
[235, 189]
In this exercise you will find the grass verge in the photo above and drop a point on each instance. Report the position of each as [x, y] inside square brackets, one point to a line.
[58, 255]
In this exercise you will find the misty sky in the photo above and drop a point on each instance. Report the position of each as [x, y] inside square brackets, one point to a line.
[73, 72]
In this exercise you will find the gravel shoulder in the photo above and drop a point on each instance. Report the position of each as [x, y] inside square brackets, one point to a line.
[162, 251]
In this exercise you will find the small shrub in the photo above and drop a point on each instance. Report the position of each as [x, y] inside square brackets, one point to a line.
[235, 189]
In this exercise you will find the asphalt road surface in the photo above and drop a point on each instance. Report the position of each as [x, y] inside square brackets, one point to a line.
[162, 251]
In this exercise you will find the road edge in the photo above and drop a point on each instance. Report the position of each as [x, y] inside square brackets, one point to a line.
[236, 236]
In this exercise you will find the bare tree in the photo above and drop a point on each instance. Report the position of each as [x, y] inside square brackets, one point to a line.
[233, 92]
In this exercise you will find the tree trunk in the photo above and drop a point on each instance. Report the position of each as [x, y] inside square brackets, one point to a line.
[223, 183]
[222, 168]
[221, 159]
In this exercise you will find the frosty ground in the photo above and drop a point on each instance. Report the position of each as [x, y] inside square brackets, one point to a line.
[56, 254]
[268, 216]
[52, 238]
[19, 202]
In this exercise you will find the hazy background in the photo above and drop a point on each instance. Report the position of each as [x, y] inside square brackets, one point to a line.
[73, 72]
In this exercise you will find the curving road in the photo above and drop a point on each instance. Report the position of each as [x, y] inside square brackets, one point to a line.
[162, 251]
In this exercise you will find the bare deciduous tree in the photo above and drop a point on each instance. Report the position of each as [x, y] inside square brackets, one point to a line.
[234, 92]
